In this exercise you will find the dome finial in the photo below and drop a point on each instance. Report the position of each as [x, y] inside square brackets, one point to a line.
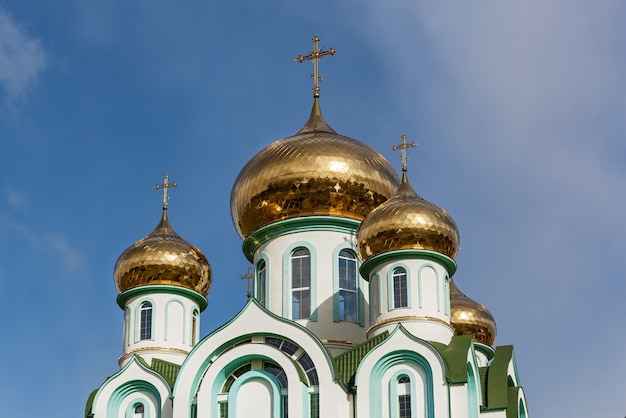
[402, 147]
[316, 56]
[166, 185]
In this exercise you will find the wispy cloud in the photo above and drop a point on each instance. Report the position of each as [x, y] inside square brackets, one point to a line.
[16, 199]
[22, 58]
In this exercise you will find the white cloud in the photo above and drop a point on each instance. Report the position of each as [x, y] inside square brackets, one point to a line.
[72, 258]
[16, 200]
[21, 58]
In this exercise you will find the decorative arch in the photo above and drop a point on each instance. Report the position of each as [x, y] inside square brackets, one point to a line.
[375, 296]
[179, 326]
[420, 283]
[142, 393]
[261, 280]
[144, 321]
[391, 291]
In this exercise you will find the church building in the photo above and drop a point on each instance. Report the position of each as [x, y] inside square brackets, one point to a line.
[354, 311]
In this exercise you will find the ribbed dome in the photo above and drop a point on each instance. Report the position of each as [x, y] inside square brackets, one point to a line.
[470, 317]
[407, 221]
[163, 257]
[314, 172]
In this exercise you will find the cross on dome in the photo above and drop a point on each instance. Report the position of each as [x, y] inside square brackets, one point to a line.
[402, 147]
[248, 277]
[316, 56]
[166, 185]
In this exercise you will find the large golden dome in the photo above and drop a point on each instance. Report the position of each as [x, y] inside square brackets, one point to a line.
[470, 317]
[407, 221]
[163, 257]
[314, 172]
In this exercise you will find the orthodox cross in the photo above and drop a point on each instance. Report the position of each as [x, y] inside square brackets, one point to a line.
[316, 56]
[248, 277]
[166, 185]
[402, 147]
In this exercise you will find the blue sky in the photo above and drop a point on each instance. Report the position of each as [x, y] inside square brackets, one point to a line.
[518, 108]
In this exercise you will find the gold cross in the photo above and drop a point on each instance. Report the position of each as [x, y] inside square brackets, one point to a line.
[402, 147]
[316, 56]
[166, 185]
[248, 276]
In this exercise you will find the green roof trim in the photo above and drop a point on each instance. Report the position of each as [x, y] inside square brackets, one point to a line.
[455, 357]
[89, 405]
[346, 364]
[483, 384]
[512, 410]
[168, 370]
[498, 378]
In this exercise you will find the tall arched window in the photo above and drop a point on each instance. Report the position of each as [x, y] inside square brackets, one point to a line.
[347, 286]
[404, 397]
[126, 326]
[145, 326]
[194, 327]
[301, 284]
[400, 293]
[374, 297]
[261, 283]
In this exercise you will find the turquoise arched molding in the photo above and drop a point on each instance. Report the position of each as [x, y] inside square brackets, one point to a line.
[199, 372]
[265, 258]
[375, 284]
[472, 393]
[253, 375]
[130, 409]
[138, 318]
[393, 392]
[360, 301]
[420, 292]
[522, 409]
[130, 388]
[167, 318]
[287, 278]
[401, 357]
[390, 289]
[127, 325]
[295, 225]
[446, 294]
[370, 264]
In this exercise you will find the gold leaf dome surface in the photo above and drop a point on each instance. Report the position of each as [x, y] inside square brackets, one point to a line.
[407, 221]
[470, 317]
[314, 172]
[163, 257]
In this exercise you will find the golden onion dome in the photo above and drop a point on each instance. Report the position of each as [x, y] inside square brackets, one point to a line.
[407, 221]
[314, 172]
[470, 317]
[163, 258]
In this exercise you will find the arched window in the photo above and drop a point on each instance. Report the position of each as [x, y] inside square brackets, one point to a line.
[404, 397]
[194, 327]
[261, 283]
[138, 411]
[347, 286]
[374, 297]
[145, 326]
[301, 284]
[127, 326]
[400, 293]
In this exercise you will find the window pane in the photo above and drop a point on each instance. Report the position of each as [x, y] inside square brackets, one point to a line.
[261, 283]
[400, 299]
[347, 286]
[145, 327]
[404, 402]
[301, 284]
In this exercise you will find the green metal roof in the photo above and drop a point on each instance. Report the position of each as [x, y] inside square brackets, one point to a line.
[168, 370]
[347, 363]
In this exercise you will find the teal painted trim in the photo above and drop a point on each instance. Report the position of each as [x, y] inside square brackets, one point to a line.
[473, 395]
[401, 357]
[393, 392]
[138, 319]
[420, 290]
[199, 372]
[266, 258]
[256, 375]
[167, 318]
[295, 225]
[129, 388]
[359, 299]
[369, 265]
[127, 325]
[391, 291]
[446, 294]
[124, 297]
[287, 279]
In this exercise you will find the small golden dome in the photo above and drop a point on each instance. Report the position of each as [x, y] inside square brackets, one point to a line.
[470, 317]
[314, 172]
[407, 221]
[163, 257]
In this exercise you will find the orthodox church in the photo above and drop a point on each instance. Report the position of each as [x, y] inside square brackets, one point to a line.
[354, 311]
